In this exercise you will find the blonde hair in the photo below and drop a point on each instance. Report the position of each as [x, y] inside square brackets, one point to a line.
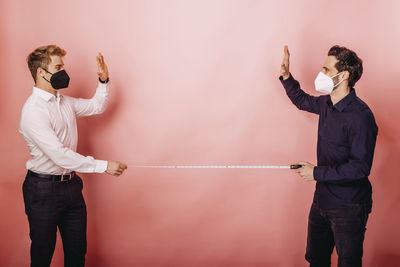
[40, 58]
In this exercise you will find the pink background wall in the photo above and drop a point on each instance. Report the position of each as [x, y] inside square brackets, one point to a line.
[196, 82]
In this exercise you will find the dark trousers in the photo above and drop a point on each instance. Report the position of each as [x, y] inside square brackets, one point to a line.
[344, 227]
[48, 205]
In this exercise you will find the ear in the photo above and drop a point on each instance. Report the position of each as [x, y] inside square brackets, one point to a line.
[346, 75]
[39, 73]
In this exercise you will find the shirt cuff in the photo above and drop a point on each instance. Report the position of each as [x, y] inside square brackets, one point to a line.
[101, 166]
[288, 80]
[106, 81]
[319, 173]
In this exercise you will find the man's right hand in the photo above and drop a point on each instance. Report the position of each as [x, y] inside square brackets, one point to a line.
[115, 168]
[285, 63]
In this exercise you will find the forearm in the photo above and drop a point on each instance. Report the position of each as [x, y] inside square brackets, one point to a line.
[299, 98]
[95, 105]
[68, 159]
[350, 171]
[100, 98]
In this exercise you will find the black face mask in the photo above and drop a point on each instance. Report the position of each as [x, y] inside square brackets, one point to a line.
[59, 79]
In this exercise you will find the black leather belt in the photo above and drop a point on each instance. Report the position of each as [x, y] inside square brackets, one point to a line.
[56, 178]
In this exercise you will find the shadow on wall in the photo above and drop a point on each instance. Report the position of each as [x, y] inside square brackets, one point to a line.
[87, 127]
[384, 259]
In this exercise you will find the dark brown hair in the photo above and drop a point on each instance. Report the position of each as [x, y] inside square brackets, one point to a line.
[40, 58]
[348, 60]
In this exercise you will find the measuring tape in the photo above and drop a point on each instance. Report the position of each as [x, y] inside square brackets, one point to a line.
[293, 167]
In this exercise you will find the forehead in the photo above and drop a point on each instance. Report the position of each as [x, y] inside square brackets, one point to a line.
[56, 60]
[330, 62]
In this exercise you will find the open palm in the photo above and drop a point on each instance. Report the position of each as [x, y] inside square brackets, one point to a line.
[285, 63]
[102, 69]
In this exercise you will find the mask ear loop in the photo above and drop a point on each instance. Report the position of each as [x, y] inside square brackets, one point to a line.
[47, 72]
[334, 86]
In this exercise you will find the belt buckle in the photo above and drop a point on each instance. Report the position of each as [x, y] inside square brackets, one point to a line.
[62, 178]
[65, 177]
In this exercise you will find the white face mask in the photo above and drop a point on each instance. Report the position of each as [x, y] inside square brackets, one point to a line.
[324, 83]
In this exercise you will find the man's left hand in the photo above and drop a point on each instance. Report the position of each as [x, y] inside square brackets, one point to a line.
[307, 171]
[102, 69]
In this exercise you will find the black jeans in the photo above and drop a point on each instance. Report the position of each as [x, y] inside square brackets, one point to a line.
[344, 227]
[48, 205]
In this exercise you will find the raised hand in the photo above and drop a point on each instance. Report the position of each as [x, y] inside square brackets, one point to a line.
[285, 63]
[102, 69]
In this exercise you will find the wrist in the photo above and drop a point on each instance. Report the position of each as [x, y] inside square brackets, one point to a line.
[106, 81]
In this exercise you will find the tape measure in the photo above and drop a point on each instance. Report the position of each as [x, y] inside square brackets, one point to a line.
[293, 167]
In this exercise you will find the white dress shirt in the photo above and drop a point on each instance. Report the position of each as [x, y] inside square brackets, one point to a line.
[48, 125]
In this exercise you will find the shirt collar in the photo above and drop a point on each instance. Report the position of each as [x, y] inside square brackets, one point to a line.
[342, 104]
[45, 95]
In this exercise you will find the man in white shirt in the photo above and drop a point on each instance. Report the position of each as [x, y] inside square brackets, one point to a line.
[52, 190]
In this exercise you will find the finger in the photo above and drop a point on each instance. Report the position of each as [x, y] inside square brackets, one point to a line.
[304, 163]
[123, 165]
[284, 61]
[300, 169]
[286, 55]
[101, 57]
[99, 67]
[286, 50]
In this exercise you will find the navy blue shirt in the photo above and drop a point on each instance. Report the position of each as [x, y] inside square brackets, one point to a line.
[346, 142]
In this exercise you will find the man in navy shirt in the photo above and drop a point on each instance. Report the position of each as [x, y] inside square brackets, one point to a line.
[346, 142]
